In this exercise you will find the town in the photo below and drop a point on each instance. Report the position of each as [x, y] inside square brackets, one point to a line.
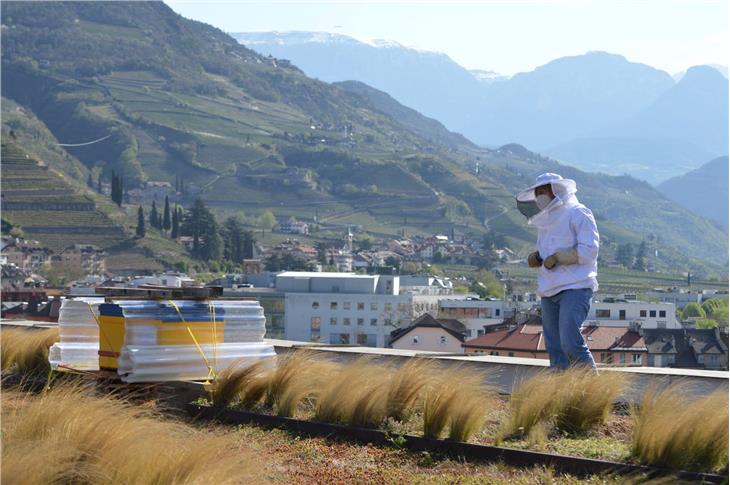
[366, 297]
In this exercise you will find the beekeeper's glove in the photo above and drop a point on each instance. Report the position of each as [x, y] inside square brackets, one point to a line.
[563, 256]
[534, 260]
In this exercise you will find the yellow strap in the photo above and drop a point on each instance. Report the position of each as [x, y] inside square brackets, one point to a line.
[98, 324]
[195, 341]
[211, 309]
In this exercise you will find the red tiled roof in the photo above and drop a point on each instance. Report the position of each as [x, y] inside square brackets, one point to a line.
[529, 338]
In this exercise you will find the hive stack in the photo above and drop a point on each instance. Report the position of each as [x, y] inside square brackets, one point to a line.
[78, 329]
[153, 341]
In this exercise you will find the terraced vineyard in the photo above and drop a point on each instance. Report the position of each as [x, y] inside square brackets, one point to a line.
[37, 200]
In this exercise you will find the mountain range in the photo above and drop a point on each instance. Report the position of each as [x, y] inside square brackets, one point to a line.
[165, 98]
[597, 111]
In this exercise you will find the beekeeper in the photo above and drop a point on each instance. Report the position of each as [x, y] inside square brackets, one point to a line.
[566, 258]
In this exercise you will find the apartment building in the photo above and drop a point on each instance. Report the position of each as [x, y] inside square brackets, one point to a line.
[620, 313]
[473, 313]
[346, 308]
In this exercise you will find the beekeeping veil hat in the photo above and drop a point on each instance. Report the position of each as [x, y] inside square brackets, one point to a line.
[564, 190]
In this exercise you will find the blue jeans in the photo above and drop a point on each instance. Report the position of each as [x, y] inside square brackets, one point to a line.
[562, 316]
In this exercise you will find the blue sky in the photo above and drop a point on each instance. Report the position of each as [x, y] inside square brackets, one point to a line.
[504, 36]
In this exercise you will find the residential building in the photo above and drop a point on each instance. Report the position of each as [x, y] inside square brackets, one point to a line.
[175, 280]
[427, 333]
[698, 348]
[609, 345]
[622, 312]
[473, 313]
[293, 227]
[342, 308]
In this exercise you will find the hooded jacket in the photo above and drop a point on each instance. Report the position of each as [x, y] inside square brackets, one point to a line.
[566, 223]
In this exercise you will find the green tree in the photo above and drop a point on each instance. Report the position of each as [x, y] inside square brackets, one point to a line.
[90, 181]
[175, 223]
[154, 218]
[200, 223]
[267, 220]
[486, 284]
[166, 222]
[639, 261]
[693, 310]
[706, 323]
[625, 255]
[237, 242]
[140, 222]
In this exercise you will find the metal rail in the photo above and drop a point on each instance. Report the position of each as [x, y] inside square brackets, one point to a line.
[515, 457]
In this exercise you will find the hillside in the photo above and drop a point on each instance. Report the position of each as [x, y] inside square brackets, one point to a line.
[247, 133]
[704, 191]
[44, 206]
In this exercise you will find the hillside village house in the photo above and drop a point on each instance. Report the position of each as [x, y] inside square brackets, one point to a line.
[89, 258]
[25, 255]
[427, 333]
[341, 308]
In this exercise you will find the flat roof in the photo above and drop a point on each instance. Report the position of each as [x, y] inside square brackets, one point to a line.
[314, 274]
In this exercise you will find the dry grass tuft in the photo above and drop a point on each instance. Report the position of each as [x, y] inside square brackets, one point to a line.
[585, 399]
[531, 403]
[407, 386]
[298, 375]
[574, 401]
[66, 436]
[458, 398]
[355, 394]
[469, 416]
[26, 350]
[672, 432]
[236, 382]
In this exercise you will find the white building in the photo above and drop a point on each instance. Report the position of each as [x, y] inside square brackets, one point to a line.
[474, 314]
[622, 313]
[175, 280]
[345, 308]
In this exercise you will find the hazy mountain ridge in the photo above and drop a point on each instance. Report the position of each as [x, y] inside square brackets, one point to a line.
[576, 108]
[704, 191]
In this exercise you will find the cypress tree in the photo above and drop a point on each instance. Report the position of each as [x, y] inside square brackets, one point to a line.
[153, 215]
[166, 223]
[140, 222]
[98, 184]
[175, 224]
[114, 186]
[90, 181]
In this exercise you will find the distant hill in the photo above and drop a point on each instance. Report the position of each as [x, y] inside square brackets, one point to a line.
[687, 123]
[249, 133]
[704, 191]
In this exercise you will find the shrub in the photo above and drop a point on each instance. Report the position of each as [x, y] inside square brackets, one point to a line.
[670, 431]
